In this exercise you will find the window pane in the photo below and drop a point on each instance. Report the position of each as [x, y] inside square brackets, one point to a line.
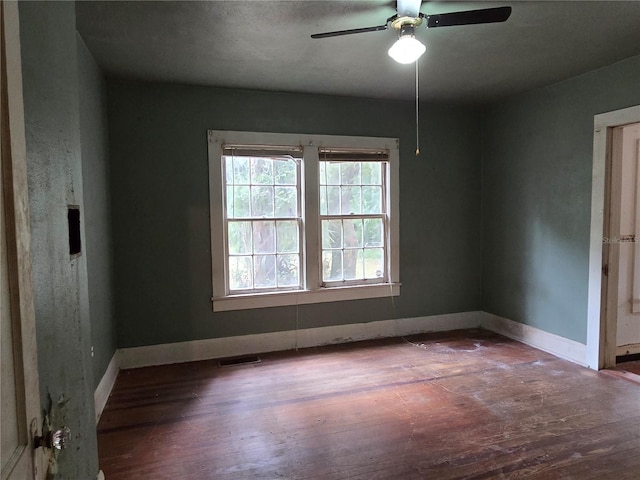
[373, 232]
[264, 237]
[230, 189]
[288, 237]
[350, 173]
[333, 200]
[331, 265]
[240, 273]
[371, 199]
[323, 200]
[352, 233]
[353, 267]
[285, 172]
[374, 263]
[241, 196]
[331, 234]
[239, 238]
[371, 173]
[262, 171]
[323, 173]
[240, 170]
[351, 200]
[288, 270]
[286, 201]
[264, 267]
[262, 201]
[228, 169]
[333, 173]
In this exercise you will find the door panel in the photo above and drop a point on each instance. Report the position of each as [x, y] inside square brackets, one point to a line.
[11, 444]
[19, 391]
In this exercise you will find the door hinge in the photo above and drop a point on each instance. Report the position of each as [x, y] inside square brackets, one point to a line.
[605, 270]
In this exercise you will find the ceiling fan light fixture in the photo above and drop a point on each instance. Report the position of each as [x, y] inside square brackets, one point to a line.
[408, 48]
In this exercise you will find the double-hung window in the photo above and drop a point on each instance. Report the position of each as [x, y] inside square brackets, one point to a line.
[353, 216]
[302, 218]
[263, 220]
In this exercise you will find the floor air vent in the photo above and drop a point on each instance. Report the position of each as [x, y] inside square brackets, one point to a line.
[233, 361]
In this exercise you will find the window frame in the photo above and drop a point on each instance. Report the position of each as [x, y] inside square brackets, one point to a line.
[313, 290]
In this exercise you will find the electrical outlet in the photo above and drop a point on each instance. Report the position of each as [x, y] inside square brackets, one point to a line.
[92, 351]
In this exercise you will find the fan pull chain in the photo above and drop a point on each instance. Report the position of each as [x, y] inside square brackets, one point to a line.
[417, 115]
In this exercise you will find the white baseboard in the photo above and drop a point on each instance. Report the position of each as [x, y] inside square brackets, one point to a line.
[100, 475]
[277, 341]
[103, 390]
[548, 342]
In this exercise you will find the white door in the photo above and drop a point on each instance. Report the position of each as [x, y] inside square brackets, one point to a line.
[19, 392]
[626, 151]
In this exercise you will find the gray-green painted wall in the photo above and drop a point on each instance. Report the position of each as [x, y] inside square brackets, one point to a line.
[536, 197]
[54, 171]
[97, 209]
[160, 195]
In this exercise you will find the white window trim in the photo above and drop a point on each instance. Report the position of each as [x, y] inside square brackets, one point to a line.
[313, 291]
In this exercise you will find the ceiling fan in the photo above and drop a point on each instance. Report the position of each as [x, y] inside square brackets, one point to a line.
[408, 16]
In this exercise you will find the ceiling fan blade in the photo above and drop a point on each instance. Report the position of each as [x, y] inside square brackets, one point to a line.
[408, 8]
[349, 32]
[469, 17]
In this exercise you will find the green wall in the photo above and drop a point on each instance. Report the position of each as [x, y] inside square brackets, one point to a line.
[54, 174]
[536, 197]
[160, 198]
[97, 209]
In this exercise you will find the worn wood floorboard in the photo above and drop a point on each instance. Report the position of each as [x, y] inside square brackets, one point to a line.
[467, 404]
[633, 367]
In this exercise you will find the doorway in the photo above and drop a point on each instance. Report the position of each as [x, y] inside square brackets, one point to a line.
[611, 217]
[623, 225]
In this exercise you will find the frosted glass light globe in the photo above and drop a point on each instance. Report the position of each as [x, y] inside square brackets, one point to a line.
[407, 49]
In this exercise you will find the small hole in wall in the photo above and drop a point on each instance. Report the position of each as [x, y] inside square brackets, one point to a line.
[73, 217]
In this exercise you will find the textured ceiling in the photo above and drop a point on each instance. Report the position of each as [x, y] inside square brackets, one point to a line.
[265, 45]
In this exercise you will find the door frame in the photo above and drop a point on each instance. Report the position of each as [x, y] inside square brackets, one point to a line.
[601, 328]
[29, 462]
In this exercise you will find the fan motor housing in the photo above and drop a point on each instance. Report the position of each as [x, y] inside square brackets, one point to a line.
[400, 22]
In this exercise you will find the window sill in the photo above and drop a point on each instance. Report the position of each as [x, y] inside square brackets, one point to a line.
[302, 297]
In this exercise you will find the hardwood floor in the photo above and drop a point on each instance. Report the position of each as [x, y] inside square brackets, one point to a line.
[467, 404]
[633, 366]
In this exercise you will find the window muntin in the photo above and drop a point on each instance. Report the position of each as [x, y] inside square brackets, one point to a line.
[263, 219]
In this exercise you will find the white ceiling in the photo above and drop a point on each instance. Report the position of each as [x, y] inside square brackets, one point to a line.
[265, 45]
